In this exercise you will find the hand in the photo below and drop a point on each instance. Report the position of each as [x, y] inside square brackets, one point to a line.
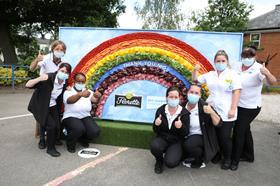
[85, 93]
[158, 120]
[264, 70]
[40, 57]
[68, 88]
[43, 77]
[208, 109]
[196, 67]
[178, 123]
[231, 113]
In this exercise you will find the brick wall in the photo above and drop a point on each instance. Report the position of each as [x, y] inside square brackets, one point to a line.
[270, 43]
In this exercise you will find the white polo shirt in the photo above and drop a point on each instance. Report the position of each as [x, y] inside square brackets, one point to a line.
[221, 88]
[80, 109]
[194, 121]
[57, 89]
[47, 65]
[171, 118]
[252, 83]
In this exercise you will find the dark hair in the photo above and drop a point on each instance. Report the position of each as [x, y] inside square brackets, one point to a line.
[221, 53]
[58, 42]
[249, 52]
[79, 74]
[195, 84]
[67, 66]
[172, 89]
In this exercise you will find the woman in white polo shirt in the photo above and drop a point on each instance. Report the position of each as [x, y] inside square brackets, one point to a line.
[49, 63]
[252, 76]
[224, 86]
[77, 120]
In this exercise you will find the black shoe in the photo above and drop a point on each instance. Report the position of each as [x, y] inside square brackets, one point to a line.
[159, 167]
[246, 159]
[84, 144]
[226, 165]
[216, 159]
[42, 144]
[196, 165]
[234, 166]
[53, 152]
[71, 149]
[58, 142]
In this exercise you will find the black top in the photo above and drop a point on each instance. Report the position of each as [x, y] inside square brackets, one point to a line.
[40, 100]
[173, 134]
[210, 141]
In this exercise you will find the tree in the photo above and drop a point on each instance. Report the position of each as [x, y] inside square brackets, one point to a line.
[223, 16]
[43, 16]
[160, 14]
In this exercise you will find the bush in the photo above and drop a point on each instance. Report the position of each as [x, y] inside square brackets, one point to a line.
[21, 75]
[271, 89]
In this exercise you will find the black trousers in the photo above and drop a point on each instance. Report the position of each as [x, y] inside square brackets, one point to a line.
[80, 128]
[51, 126]
[173, 151]
[243, 144]
[58, 131]
[193, 147]
[224, 134]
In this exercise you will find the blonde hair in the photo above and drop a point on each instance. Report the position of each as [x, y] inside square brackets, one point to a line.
[222, 53]
[58, 42]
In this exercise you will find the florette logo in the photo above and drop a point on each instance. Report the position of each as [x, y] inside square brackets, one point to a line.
[128, 100]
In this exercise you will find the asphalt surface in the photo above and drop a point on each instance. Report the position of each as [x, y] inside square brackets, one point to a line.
[22, 163]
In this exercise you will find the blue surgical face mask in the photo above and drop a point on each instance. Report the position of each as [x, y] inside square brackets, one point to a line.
[172, 102]
[220, 66]
[62, 75]
[248, 61]
[193, 98]
[80, 86]
[58, 54]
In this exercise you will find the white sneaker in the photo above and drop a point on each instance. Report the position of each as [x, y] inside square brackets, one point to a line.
[189, 165]
[203, 165]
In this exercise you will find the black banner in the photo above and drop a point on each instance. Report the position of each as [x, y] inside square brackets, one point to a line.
[134, 101]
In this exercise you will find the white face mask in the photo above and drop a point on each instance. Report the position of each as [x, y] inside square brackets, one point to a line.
[80, 86]
[173, 102]
[58, 54]
[62, 76]
[248, 61]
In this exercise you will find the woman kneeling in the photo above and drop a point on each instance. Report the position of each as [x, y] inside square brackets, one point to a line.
[76, 118]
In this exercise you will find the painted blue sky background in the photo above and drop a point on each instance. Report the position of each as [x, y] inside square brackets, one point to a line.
[80, 41]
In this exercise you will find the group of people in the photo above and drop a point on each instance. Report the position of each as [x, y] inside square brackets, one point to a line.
[52, 95]
[218, 129]
[197, 131]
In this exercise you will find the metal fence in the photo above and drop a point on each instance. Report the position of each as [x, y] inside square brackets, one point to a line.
[13, 76]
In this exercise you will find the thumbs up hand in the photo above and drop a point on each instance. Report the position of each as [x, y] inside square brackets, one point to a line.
[158, 120]
[264, 70]
[197, 67]
[208, 109]
[178, 123]
[40, 57]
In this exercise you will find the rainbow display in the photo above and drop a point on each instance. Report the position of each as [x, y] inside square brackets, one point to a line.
[114, 63]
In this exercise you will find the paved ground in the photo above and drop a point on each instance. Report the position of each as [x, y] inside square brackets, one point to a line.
[22, 163]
